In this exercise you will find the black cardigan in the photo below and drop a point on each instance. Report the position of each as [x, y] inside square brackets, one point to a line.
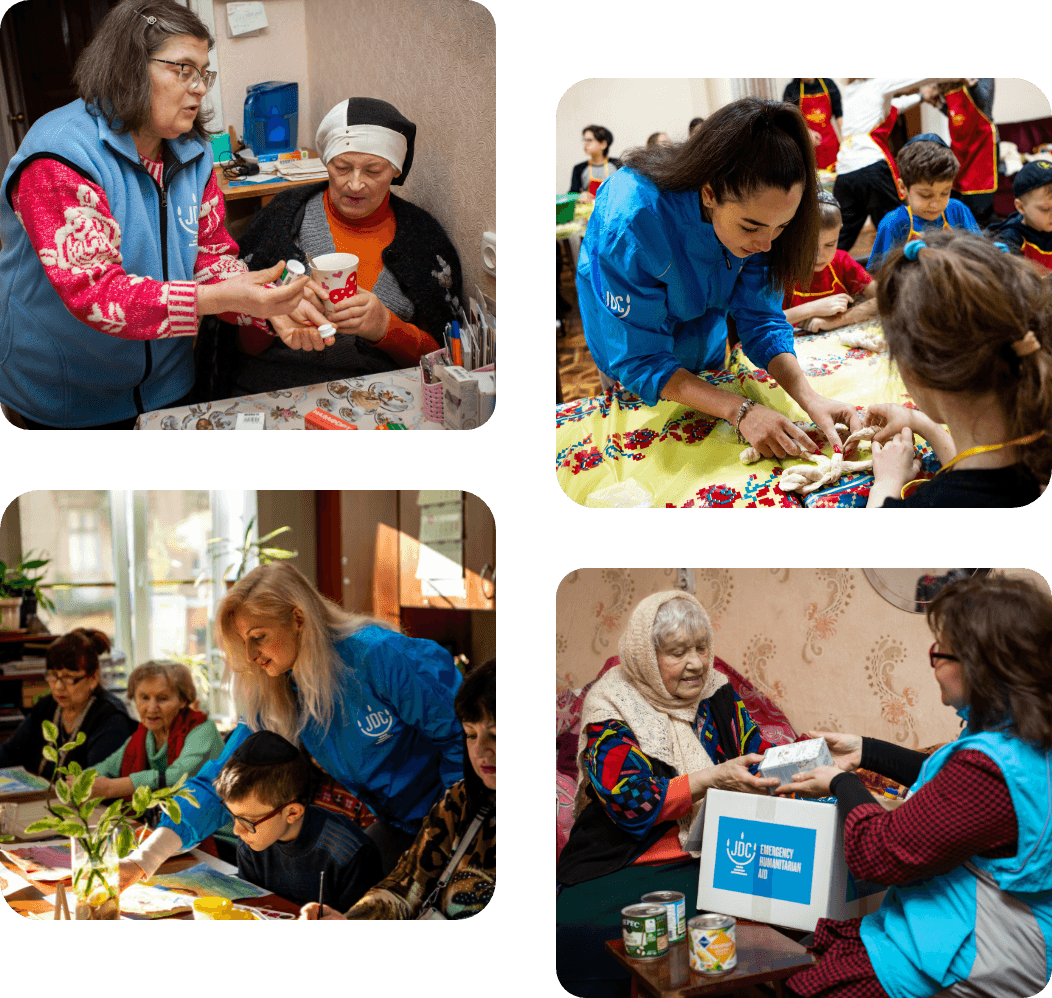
[597, 846]
[107, 726]
[411, 258]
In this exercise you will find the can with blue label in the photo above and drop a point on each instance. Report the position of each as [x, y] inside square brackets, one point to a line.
[645, 931]
[676, 906]
[713, 946]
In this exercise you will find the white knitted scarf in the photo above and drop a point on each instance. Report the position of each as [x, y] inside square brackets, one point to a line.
[634, 694]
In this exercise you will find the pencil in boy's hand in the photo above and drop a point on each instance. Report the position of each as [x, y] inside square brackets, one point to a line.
[321, 893]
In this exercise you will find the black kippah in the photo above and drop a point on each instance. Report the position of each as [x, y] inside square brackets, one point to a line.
[265, 748]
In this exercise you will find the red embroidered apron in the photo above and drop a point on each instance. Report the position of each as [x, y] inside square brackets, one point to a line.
[818, 110]
[803, 297]
[593, 184]
[1038, 255]
[880, 136]
[914, 234]
[974, 141]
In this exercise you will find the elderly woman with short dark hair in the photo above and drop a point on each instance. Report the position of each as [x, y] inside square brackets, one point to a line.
[113, 236]
[658, 731]
[173, 739]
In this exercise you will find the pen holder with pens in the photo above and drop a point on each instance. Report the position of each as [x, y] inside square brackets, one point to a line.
[431, 394]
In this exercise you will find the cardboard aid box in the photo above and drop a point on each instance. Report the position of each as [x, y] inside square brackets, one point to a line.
[460, 397]
[779, 861]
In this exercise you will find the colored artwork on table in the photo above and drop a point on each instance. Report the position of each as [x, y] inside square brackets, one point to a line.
[49, 861]
[16, 780]
[10, 882]
[202, 881]
[151, 901]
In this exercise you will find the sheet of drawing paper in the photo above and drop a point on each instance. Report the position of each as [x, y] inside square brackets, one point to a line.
[151, 901]
[203, 881]
[16, 780]
[10, 882]
[47, 861]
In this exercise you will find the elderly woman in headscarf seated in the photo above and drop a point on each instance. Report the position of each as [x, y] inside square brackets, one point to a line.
[658, 731]
[409, 278]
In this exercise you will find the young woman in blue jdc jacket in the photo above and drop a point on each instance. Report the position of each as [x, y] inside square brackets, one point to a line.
[685, 236]
[114, 243]
[373, 707]
[968, 855]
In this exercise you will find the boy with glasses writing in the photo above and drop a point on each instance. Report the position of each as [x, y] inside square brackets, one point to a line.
[284, 841]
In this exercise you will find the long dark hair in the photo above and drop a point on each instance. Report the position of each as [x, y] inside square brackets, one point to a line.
[1001, 631]
[112, 75]
[951, 317]
[740, 150]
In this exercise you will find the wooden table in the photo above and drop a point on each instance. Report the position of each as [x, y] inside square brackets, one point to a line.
[765, 956]
[266, 192]
[35, 898]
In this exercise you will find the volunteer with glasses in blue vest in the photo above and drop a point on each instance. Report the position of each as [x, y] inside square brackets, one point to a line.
[114, 243]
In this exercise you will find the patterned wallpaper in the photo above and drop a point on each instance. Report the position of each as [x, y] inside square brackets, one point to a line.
[435, 60]
[819, 641]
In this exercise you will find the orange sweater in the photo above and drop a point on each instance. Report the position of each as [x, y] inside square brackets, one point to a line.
[367, 238]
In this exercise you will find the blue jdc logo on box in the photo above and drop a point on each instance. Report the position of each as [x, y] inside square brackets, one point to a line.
[765, 859]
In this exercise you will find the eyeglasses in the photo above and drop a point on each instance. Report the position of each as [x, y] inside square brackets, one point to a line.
[54, 679]
[933, 655]
[190, 76]
[252, 825]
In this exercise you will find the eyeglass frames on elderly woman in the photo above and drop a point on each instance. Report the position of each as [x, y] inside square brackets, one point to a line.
[190, 76]
[54, 679]
[933, 655]
[252, 824]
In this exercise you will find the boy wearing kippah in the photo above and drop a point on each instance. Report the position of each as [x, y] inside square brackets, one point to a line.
[927, 168]
[286, 842]
[1029, 230]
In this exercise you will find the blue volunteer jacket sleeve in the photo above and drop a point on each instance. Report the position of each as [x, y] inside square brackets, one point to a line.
[200, 822]
[631, 306]
[762, 325]
[419, 681]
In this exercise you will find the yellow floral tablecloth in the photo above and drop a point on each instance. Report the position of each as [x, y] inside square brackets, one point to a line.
[675, 456]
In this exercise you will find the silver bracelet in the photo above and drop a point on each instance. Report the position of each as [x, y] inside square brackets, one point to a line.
[745, 407]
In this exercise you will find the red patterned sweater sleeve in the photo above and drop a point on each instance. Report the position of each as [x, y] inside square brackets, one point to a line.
[963, 811]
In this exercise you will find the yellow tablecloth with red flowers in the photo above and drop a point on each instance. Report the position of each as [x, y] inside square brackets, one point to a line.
[675, 456]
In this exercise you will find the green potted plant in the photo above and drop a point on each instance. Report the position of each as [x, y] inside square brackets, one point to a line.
[96, 852]
[18, 581]
[257, 548]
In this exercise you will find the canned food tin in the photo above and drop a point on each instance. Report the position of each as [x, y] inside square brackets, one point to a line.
[713, 947]
[293, 269]
[645, 930]
[676, 906]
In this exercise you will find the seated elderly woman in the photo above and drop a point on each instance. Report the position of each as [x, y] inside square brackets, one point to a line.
[658, 732]
[450, 870]
[172, 740]
[409, 278]
[77, 703]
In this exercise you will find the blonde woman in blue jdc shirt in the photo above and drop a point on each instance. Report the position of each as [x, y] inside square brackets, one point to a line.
[685, 236]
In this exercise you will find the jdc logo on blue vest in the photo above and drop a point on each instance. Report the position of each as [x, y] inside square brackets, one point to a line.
[375, 723]
[620, 307]
[765, 859]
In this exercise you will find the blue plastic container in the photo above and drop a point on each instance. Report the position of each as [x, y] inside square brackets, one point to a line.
[272, 117]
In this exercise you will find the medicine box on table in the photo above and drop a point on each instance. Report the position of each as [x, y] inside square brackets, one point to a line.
[460, 397]
[779, 861]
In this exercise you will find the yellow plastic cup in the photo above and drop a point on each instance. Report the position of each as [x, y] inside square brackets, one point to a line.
[213, 909]
[240, 915]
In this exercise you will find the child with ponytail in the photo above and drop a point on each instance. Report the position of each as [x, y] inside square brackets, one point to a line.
[970, 329]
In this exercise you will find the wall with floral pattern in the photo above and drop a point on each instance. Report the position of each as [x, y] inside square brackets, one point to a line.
[820, 642]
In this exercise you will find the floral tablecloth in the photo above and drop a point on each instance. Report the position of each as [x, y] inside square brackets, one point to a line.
[369, 402]
[675, 456]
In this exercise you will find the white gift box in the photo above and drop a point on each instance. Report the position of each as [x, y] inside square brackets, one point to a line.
[797, 757]
[778, 860]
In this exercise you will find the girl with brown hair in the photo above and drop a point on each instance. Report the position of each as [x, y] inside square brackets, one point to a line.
[970, 330]
[687, 236]
[968, 854]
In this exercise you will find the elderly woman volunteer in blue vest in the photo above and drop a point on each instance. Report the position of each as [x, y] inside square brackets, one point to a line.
[113, 238]
[373, 707]
[969, 854]
[683, 237]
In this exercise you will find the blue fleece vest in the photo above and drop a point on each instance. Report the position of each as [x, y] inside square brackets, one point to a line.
[980, 931]
[54, 368]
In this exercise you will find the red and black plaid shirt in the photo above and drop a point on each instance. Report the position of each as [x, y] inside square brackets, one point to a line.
[964, 811]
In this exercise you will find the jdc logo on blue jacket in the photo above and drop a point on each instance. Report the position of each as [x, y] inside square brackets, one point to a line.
[618, 305]
[375, 723]
[765, 859]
